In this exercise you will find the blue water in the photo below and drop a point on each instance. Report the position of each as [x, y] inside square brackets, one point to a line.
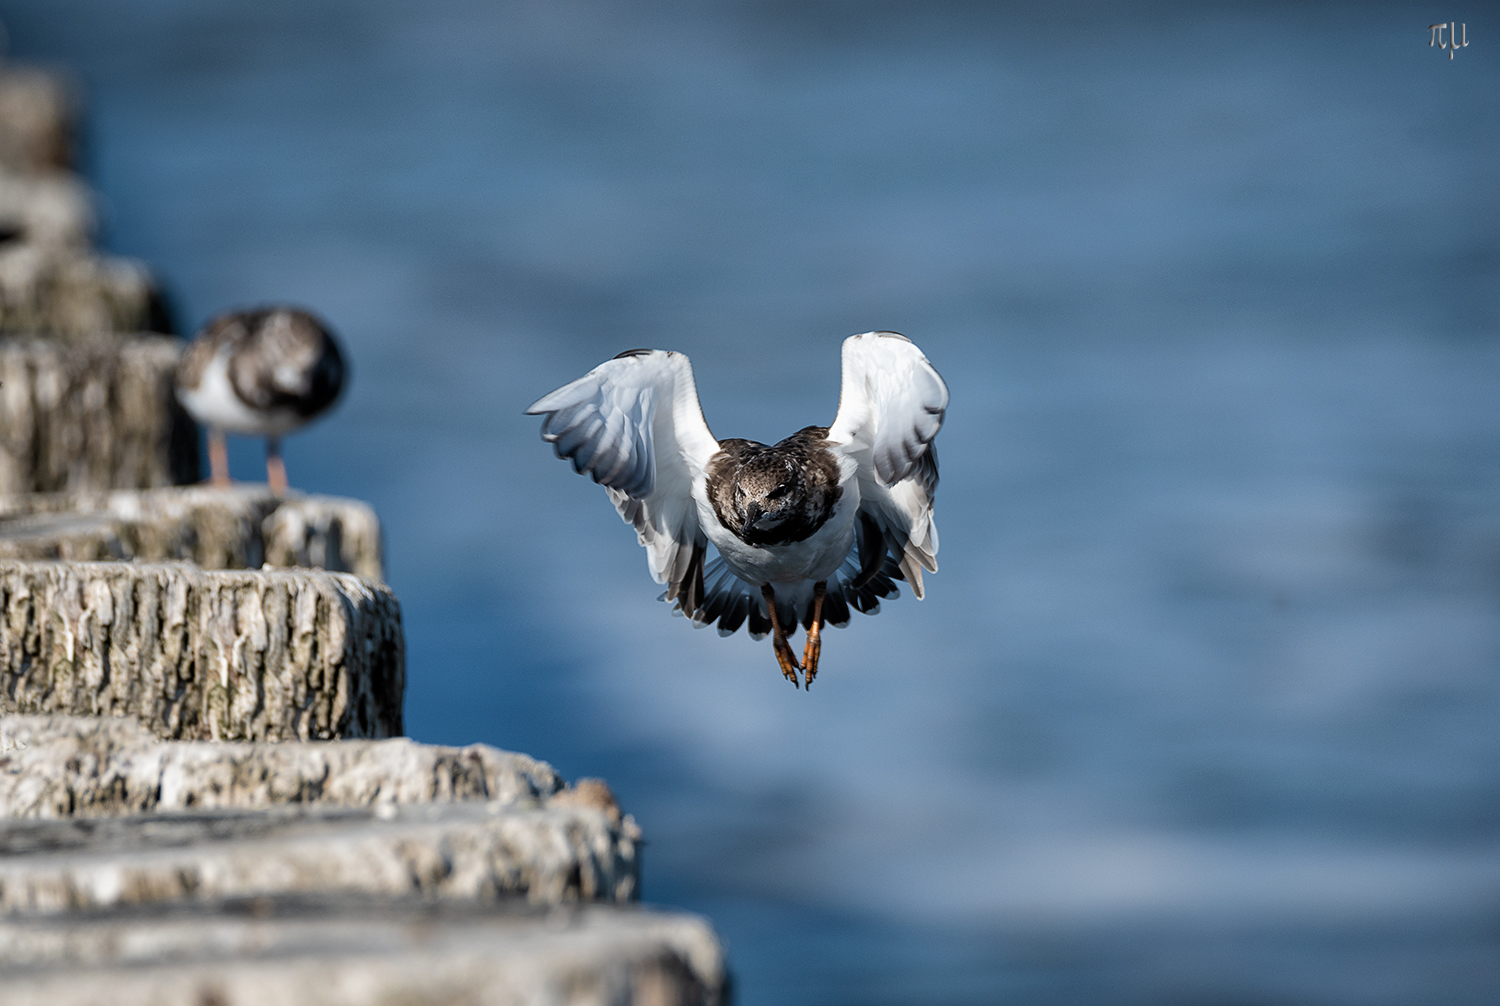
[1202, 708]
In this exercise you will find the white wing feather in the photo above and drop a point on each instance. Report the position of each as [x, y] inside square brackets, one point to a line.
[891, 406]
[634, 425]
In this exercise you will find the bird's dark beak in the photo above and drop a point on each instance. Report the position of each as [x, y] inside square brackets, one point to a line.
[753, 513]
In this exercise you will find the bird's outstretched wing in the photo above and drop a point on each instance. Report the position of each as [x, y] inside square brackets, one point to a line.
[634, 425]
[891, 405]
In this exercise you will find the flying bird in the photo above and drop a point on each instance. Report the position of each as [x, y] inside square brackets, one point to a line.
[263, 373]
[824, 521]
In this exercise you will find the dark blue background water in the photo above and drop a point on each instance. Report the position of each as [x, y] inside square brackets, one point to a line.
[1202, 708]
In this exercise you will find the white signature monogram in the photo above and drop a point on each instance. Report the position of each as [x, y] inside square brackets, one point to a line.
[1435, 36]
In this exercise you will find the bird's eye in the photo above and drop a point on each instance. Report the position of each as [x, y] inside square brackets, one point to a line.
[778, 492]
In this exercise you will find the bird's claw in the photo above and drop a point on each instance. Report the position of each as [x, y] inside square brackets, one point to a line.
[787, 660]
[784, 655]
[810, 654]
[814, 647]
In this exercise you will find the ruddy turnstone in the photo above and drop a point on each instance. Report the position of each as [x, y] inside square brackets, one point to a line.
[263, 372]
[820, 523]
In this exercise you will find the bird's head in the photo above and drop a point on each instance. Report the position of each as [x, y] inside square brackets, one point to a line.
[768, 491]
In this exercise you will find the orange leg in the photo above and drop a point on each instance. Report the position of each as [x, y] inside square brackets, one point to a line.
[814, 645]
[784, 655]
[218, 458]
[275, 467]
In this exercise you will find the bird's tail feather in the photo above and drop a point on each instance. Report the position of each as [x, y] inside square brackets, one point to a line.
[730, 602]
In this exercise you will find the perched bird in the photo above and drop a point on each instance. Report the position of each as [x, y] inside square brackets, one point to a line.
[820, 523]
[263, 373]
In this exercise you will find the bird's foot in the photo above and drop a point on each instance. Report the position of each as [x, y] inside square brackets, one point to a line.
[275, 467]
[814, 647]
[810, 654]
[784, 655]
[218, 459]
[787, 659]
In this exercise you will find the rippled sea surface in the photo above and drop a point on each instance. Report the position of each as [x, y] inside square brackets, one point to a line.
[1202, 708]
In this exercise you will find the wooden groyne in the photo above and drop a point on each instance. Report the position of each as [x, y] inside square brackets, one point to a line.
[204, 794]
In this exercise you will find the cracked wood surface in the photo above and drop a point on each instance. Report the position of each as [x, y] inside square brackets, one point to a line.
[98, 414]
[242, 526]
[203, 654]
[342, 952]
[85, 766]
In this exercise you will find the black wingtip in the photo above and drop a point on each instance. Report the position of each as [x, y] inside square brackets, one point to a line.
[633, 352]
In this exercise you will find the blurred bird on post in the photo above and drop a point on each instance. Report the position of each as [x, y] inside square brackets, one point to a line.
[263, 372]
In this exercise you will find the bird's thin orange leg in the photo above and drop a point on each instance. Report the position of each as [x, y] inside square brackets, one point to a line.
[784, 655]
[275, 467]
[218, 458]
[814, 645]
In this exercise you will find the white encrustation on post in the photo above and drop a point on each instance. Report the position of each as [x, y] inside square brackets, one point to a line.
[92, 415]
[244, 526]
[203, 654]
